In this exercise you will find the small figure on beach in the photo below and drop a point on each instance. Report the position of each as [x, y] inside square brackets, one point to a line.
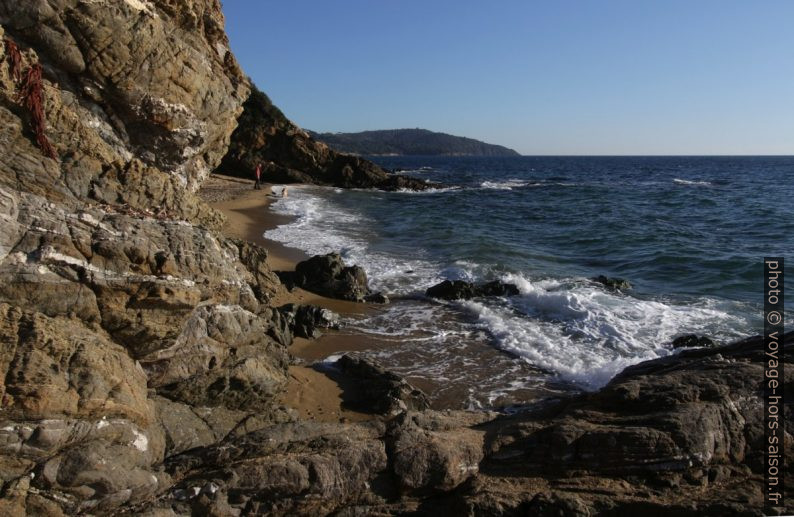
[284, 191]
[257, 185]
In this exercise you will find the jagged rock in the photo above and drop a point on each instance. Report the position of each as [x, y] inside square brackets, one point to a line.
[692, 340]
[435, 450]
[376, 390]
[300, 468]
[680, 423]
[327, 275]
[462, 290]
[301, 321]
[140, 96]
[612, 283]
[291, 155]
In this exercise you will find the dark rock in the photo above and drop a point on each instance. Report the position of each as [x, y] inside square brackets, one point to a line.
[376, 298]
[291, 155]
[692, 340]
[462, 290]
[307, 319]
[612, 283]
[376, 390]
[327, 275]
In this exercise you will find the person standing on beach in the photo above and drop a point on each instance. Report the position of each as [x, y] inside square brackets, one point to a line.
[257, 185]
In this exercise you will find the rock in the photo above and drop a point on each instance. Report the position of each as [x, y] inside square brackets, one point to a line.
[376, 298]
[462, 290]
[432, 450]
[328, 276]
[300, 468]
[265, 135]
[612, 283]
[667, 424]
[303, 321]
[692, 340]
[372, 389]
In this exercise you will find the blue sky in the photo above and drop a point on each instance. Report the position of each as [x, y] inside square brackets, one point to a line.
[551, 77]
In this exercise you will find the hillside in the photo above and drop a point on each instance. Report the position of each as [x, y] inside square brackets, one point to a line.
[410, 142]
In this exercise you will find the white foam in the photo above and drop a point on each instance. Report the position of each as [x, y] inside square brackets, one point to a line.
[577, 331]
[322, 227]
[429, 190]
[586, 334]
[504, 185]
[692, 182]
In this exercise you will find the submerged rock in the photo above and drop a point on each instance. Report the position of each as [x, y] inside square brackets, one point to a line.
[461, 290]
[613, 283]
[328, 275]
[693, 340]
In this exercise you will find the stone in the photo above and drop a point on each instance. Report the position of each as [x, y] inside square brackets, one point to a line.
[692, 340]
[462, 290]
[373, 389]
[612, 283]
[328, 275]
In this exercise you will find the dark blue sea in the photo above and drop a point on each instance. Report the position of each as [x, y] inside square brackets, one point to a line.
[689, 233]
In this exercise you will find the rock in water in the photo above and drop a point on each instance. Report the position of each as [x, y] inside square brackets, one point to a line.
[328, 275]
[613, 283]
[461, 290]
[692, 340]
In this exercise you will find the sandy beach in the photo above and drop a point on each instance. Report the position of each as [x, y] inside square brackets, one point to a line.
[312, 393]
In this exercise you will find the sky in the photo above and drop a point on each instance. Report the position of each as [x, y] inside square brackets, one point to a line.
[555, 77]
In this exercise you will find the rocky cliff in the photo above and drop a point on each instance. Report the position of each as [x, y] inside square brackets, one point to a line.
[290, 155]
[139, 375]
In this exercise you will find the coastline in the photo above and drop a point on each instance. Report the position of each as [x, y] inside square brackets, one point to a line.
[310, 392]
[314, 394]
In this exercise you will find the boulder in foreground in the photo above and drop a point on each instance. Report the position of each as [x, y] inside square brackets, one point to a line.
[327, 275]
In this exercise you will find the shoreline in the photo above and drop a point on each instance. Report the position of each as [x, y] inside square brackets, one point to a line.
[313, 393]
[248, 216]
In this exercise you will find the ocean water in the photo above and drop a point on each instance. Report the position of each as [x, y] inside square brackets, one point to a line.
[688, 232]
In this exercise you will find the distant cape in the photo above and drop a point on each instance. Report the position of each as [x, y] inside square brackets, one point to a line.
[409, 142]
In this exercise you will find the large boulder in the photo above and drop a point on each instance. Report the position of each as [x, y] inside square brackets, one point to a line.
[328, 275]
[462, 290]
[370, 388]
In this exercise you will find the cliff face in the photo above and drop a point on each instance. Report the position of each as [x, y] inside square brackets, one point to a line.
[290, 155]
[121, 312]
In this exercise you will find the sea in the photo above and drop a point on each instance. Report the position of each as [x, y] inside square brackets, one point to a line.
[689, 234]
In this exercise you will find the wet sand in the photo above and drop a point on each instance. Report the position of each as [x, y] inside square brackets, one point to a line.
[312, 393]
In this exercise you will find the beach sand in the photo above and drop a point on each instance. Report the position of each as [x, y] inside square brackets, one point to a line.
[312, 393]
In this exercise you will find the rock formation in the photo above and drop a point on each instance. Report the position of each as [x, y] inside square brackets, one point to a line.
[141, 355]
[290, 155]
